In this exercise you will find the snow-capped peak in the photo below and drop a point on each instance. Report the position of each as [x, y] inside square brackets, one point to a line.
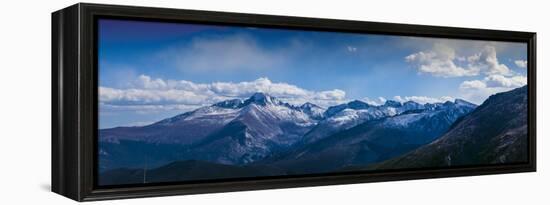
[358, 105]
[392, 103]
[313, 110]
[354, 105]
[260, 98]
[464, 103]
[411, 103]
[234, 103]
[309, 105]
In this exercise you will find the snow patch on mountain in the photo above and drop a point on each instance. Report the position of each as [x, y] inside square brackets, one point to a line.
[314, 111]
[225, 113]
[404, 120]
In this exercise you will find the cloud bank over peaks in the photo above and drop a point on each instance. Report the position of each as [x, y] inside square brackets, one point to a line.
[157, 93]
[148, 95]
[423, 99]
[402, 99]
[478, 90]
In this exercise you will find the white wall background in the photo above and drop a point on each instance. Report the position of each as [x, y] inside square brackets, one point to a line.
[25, 102]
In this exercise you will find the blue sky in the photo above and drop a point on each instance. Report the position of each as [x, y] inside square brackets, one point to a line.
[151, 70]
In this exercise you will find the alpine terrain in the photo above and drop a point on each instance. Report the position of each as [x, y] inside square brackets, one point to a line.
[264, 136]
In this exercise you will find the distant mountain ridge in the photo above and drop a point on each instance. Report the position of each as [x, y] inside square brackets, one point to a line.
[495, 132]
[241, 131]
[345, 116]
[263, 136]
[246, 129]
[211, 118]
[372, 140]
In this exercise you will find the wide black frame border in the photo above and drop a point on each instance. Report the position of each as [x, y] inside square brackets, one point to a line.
[74, 99]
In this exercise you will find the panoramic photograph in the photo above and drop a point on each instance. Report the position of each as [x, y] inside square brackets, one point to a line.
[185, 102]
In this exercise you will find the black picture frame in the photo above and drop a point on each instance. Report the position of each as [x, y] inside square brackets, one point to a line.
[74, 99]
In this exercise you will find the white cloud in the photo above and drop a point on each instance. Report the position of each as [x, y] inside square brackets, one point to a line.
[423, 99]
[158, 94]
[330, 95]
[150, 96]
[502, 81]
[478, 90]
[488, 63]
[351, 49]
[146, 82]
[377, 101]
[442, 61]
[495, 81]
[491, 76]
[521, 63]
[473, 84]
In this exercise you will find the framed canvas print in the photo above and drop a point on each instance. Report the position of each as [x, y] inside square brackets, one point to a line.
[154, 102]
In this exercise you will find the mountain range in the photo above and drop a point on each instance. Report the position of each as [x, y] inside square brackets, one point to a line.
[263, 136]
[496, 132]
